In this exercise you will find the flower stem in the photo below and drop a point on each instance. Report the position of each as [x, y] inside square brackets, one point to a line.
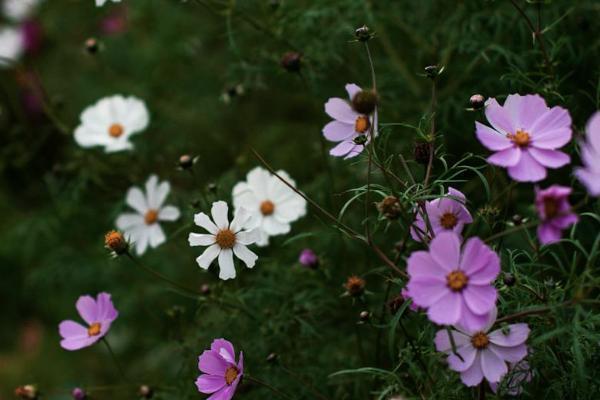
[266, 385]
[115, 360]
[303, 382]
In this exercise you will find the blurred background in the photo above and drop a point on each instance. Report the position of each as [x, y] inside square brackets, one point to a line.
[219, 77]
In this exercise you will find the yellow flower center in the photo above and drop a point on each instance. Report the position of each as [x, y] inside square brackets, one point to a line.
[116, 130]
[362, 124]
[151, 216]
[267, 207]
[521, 138]
[94, 329]
[225, 238]
[231, 374]
[457, 280]
[448, 220]
[480, 340]
[550, 207]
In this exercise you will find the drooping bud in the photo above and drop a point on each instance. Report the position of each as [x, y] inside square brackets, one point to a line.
[355, 286]
[477, 101]
[509, 279]
[363, 34]
[365, 101]
[389, 207]
[115, 242]
[291, 61]
[422, 152]
[186, 161]
[78, 394]
[27, 392]
[364, 316]
[272, 357]
[146, 392]
[92, 45]
[432, 71]
[309, 258]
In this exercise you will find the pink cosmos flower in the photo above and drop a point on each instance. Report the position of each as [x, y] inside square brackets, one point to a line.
[590, 155]
[454, 285]
[98, 314]
[554, 211]
[518, 374]
[444, 214]
[483, 354]
[221, 373]
[347, 125]
[525, 134]
[309, 258]
[406, 296]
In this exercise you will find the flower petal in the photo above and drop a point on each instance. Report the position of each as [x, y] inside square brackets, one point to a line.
[550, 158]
[219, 213]
[480, 299]
[168, 213]
[426, 292]
[490, 138]
[420, 264]
[208, 256]
[468, 354]
[510, 354]
[71, 329]
[506, 158]
[156, 236]
[443, 343]
[445, 250]
[498, 117]
[210, 383]
[224, 348]
[202, 220]
[446, 310]
[226, 267]
[340, 110]
[493, 367]
[548, 234]
[552, 120]
[248, 237]
[157, 193]
[336, 131]
[244, 254]
[136, 200]
[352, 89]
[87, 309]
[474, 375]
[211, 362]
[129, 220]
[517, 335]
[527, 170]
[201, 239]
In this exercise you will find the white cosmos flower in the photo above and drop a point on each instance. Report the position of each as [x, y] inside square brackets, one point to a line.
[12, 46]
[19, 10]
[224, 239]
[100, 3]
[142, 227]
[111, 121]
[272, 203]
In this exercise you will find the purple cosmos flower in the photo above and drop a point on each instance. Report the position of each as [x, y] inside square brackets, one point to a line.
[454, 285]
[590, 155]
[347, 125]
[221, 373]
[99, 314]
[444, 214]
[406, 296]
[518, 374]
[78, 394]
[554, 211]
[483, 354]
[308, 258]
[525, 134]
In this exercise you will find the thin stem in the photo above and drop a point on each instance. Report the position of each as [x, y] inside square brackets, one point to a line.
[431, 134]
[304, 382]
[161, 277]
[533, 311]
[114, 357]
[511, 230]
[371, 145]
[266, 385]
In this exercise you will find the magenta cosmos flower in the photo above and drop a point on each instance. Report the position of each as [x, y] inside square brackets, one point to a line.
[454, 285]
[221, 373]
[98, 314]
[525, 134]
[590, 155]
[309, 258]
[444, 214]
[483, 354]
[554, 211]
[347, 124]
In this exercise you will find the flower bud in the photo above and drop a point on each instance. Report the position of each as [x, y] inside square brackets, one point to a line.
[146, 392]
[509, 279]
[78, 394]
[115, 242]
[395, 304]
[186, 161]
[309, 258]
[365, 101]
[212, 187]
[363, 34]
[272, 357]
[432, 71]
[205, 289]
[517, 219]
[27, 392]
[389, 207]
[422, 152]
[355, 286]
[291, 61]
[477, 101]
[92, 46]
[364, 316]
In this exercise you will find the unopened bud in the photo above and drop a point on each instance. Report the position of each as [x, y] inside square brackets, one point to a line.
[205, 289]
[477, 101]
[422, 152]
[186, 161]
[363, 34]
[509, 279]
[78, 394]
[432, 71]
[389, 207]
[272, 357]
[364, 316]
[92, 46]
[365, 101]
[115, 241]
[27, 392]
[291, 61]
[146, 392]
[355, 286]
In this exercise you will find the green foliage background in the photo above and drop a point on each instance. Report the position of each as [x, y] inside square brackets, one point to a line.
[58, 200]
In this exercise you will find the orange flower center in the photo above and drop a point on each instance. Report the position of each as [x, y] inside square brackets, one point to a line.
[355, 285]
[231, 374]
[362, 124]
[448, 220]
[480, 340]
[267, 207]
[521, 138]
[550, 207]
[116, 130]
[151, 216]
[94, 329]
[225, 238]
[457, 280]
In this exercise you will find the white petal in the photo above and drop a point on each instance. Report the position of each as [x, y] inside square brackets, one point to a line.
[157, 193]
[273, 227]
[208, 256]
[118, 145]
[247, 256]
[136, 200]
[247, 237]
[201, 239]
[157, 236]
[240, 220]
[219, 213]
[258, 180]
[203, 221]
[226, 268]
[168, 213]
[140, 239]
[128, 220]
[263, 238]
[87, 136]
